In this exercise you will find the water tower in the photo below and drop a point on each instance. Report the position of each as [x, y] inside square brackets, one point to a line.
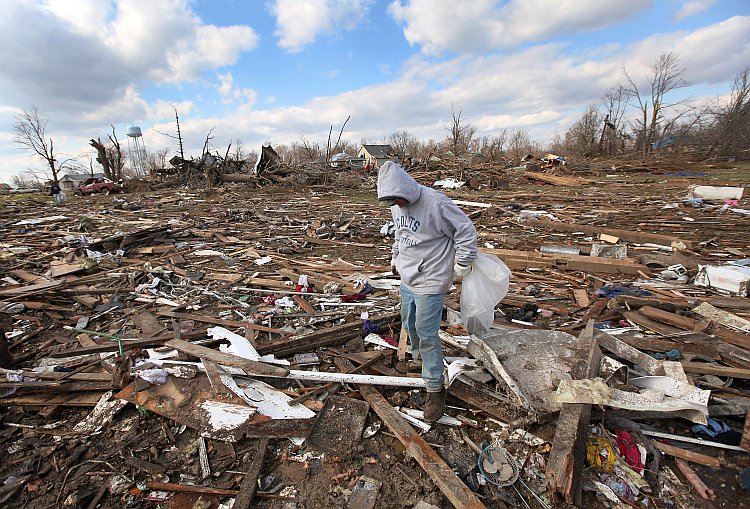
[137, 150]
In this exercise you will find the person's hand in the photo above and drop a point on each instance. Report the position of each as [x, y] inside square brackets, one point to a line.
[394, 270]
[461, 270]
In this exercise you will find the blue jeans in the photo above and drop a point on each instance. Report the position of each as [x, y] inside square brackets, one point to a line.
[420, 316]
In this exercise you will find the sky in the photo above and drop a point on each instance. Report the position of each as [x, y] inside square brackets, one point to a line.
[267, 71]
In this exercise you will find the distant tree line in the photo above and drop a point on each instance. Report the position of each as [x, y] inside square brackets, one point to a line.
[634, 117]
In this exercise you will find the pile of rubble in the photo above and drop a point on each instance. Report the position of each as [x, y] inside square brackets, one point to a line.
[240, 347]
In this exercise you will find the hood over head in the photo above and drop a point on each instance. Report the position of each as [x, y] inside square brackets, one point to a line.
[394, 182]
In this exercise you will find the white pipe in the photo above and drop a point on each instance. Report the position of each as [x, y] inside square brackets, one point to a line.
[321, 376]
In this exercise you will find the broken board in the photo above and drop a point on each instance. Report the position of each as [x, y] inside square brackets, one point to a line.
[339, 426]
[192, 403]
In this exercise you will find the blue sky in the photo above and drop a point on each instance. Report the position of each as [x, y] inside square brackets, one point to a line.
[265, 71]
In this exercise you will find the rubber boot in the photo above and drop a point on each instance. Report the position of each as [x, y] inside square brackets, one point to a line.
[434, 405]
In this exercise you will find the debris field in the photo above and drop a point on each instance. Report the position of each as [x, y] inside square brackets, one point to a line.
[241, 346]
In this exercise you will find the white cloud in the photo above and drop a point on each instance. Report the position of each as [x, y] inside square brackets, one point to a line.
[225, 84]
[540, 89]
[84, 63]
[712, 54]
[231, 93]
[299, 22]
[166, 41]
[693, 7]
[67, 59]
[474, 25]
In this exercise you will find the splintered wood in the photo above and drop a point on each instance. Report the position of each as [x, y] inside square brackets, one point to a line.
[229, 320]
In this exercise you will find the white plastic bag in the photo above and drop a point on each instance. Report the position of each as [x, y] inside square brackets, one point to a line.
[483, 288]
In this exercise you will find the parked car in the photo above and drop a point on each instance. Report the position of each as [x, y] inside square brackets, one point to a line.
[96, 185]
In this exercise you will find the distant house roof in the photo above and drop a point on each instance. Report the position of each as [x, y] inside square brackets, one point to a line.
[379, 151]
[82, 176]
[341, 156]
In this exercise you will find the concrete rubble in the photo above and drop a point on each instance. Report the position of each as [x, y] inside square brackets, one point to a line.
[187, 347]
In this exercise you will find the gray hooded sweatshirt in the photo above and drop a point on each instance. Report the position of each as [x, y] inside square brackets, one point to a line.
[431, 232]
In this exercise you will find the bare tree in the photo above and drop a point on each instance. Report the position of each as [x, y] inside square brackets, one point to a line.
[26, 180]
[493, 147]
[731, 126]
[667, 76]
[616, 101]
[426, 150]
[209, 137]
[238, 150]
[403, 143]
[582, 137]
[30, 133]
[312, 150]
[156, 160]
[557, 144]
[459, 134]
[520, 143]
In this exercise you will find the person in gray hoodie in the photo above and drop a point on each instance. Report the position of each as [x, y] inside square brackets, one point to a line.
[435, 241]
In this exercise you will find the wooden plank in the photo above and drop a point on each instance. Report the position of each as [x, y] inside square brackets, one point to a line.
[626, 235]
[685, 323]
[58, 386]
[86, 300]
[526, 259]
[303, 304]
[59, 268]
[55, 375]
[227, 278]
[29, 277]
[89, 399]
[147, 323]
[30, 289]
[111, 347]
[213, 372]
[704, 368]
[627, 352]
[102, 490]
[557, 180]
[566, 459]
[745, 442]
[660, 328]
[250, 367]
[452, 487]
[582, 297]
[680, 321]
[330, 336]
[219, 321]
[692, 456]
[660, 345]
[725, 318]
[596, 309]
[403, 339]
[250, 482]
